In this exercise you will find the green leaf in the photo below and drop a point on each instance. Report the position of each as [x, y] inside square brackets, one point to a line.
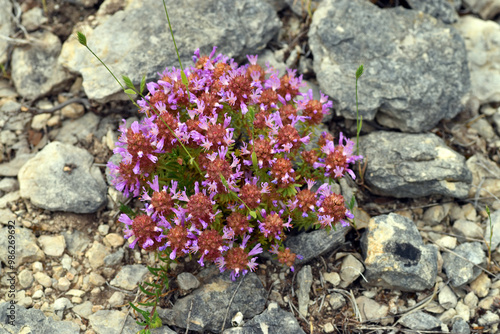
[127, 210]
[146, 292]
[81, 38]
[156, 321]
[253, 214]
[254, 161]
[143, 83]
[359, 72]
[128, 82]
[184, 78]
[145, 314]
[130, 91]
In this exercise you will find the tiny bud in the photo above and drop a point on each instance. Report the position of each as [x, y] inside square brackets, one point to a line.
[81, 38]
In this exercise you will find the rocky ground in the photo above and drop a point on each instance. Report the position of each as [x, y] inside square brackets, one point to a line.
[420, 258]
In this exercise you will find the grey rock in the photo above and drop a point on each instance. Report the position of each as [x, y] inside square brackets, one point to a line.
[6, 215]
[96, 255]
[351, 270]
[313, 244]
[114, 258]
[9, 198]
[62, 304]
[409, 83]
[130, 276]
[420, 321]
[84, 310]
[187, 281]
[7, 138]
[35, 71]
[9, 184]
[459, 271]
[17, 121]
[77, 130]
[26, 248]
[52, 245]
[487, 9]
[26, 278]
[116, 299]
[277, 4]
[304, 281]
[488, 318]
[76, 241]
[495, 227]
[111, 322]
[62, 177]
[6, 28]
[370, 309]
[467, 229]
[9, 108]
[395, 256]
[33, 19]
[210, 301]
[12, 167]
[434, 215]
[447, 298]
[440, 9]
[460, 326]
[336, 301]
[34, 321]
[483, 53]
[484, 128]
[413, 165]
[236, 28]
[485, 177]
[272, 320]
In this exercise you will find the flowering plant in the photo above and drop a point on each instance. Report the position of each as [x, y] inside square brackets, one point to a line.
[221, 164]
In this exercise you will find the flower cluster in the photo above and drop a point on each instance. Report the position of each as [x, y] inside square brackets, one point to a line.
[221, 166]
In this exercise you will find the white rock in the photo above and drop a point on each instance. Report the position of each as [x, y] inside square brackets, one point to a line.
[352, 268]
[447, 315]
[37, 266]
[26, 278]
[483, 53]
[96, 255]
[63, 284]
[38, 294]
[103, 229]
[62, 304]
[434, 215]
[328, 328]
[66, 261]
[43, 279]
[336, 301]
[116, 299]
[468, 229]
[481, 285]
[447, 298]
[447, 242]
[40, 121]
[52, 245]
[96, 279]
[75, 293]
[333, 278]
[471, 300]
[114, 239]
[463, 311]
